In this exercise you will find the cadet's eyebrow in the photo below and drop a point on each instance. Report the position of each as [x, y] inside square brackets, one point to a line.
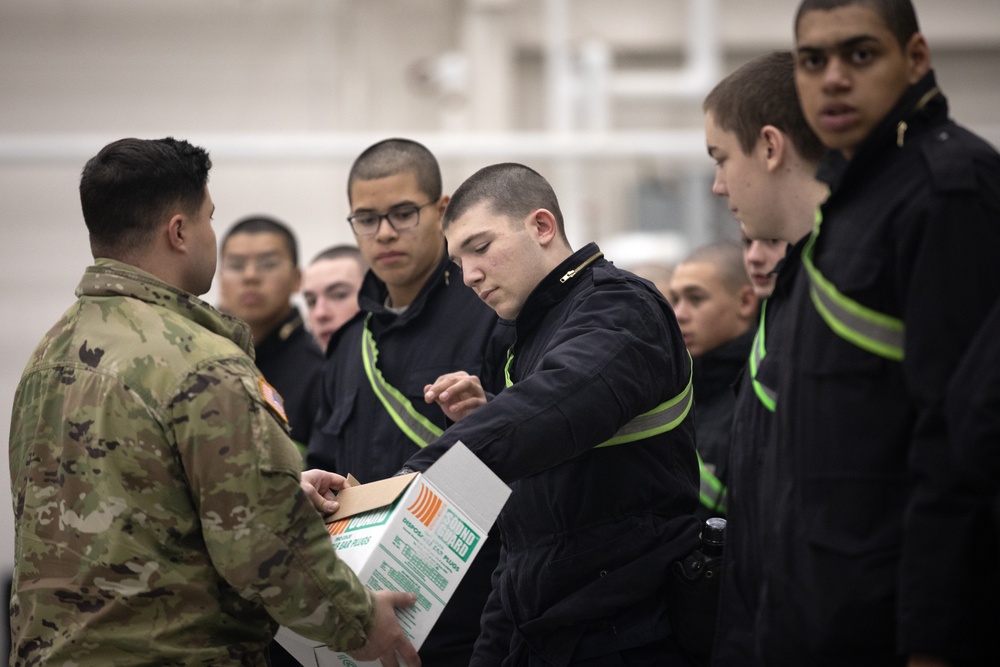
[268, 254]
[838, 46]
[473, 239]
[406, 202]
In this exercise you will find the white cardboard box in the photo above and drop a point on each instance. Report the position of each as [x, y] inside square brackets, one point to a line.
[418, 533]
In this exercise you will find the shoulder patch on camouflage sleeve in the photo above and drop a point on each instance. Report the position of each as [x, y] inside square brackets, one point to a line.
[272, 398]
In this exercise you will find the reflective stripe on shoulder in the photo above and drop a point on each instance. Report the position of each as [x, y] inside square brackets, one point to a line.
[664, 417]
[859, 325]
[767, 396]
[413, 424]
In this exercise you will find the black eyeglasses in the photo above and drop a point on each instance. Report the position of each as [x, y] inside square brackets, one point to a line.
[403, 217]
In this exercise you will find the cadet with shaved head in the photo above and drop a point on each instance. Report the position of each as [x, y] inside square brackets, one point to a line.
[330, 286]
[595, 396]
[715, 307]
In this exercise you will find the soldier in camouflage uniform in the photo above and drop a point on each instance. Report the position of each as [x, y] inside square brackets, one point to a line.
[157, 501]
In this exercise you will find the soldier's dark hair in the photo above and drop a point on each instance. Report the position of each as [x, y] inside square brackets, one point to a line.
[132, 185]
[342, 252]
[762, 92]
[899, 16]
[396, 156]
[727, 258]
[511, 190]
[264, 224]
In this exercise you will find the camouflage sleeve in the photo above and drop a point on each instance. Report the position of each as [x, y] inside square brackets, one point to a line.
[263, 535]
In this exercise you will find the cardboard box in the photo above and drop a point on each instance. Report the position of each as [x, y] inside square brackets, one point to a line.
[417, 532]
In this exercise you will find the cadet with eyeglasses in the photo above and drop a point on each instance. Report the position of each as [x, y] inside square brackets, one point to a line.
[417, 322]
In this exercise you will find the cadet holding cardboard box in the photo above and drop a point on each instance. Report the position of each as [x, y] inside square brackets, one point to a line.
[591, 429]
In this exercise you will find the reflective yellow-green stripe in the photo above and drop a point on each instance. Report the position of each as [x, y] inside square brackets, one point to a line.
[711, 491]
[664, 417]
[868, 329]
[767, 396]
[413, 424]
[506, 368]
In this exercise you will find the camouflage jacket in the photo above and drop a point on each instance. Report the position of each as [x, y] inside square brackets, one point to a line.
[158, 513]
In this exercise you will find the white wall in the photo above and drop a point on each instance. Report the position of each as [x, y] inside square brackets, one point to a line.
[75, 74]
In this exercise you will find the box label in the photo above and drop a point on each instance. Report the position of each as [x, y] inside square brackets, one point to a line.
[412, 536]
[426, 507]
[458, 535]
[362, 521]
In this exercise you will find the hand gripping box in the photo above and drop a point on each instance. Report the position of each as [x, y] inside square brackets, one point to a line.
[416, 532]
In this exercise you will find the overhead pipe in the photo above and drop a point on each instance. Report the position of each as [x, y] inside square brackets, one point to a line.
[702, 62]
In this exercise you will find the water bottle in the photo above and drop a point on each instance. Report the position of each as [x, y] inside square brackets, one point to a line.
[713, 537]
[694, 591]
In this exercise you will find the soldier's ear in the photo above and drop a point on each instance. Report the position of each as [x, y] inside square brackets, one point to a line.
[177, 232]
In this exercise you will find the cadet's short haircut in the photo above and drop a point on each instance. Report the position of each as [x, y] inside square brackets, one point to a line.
[397, 156]
[342, 252]
[899, 16]
[264, 224]
[133, 185]
[511, 190]
[727, 258]
[762, 92]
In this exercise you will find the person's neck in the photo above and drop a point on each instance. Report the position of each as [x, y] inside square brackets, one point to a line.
[401, 296]
[555, 256]
[260, 330]
[163, 267]
[805, 194]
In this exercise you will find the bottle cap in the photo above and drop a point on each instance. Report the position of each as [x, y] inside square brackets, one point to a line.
[714, 531]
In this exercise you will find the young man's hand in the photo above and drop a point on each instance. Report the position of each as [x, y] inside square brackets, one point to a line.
[457, 393]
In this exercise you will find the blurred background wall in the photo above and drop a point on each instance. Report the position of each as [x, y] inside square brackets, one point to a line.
[601, 97]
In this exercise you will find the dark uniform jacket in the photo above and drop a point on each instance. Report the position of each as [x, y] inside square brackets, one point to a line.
[446, 328]
[587, 533]
[752, 476]
[714, 402]
[291, 362]
[875, 524]
[974, 407]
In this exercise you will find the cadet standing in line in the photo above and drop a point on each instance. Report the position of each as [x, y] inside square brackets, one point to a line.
[875, 524]
[330, 286]
[590, 428]
[417, 321]
[766, 158]
[157, 504]
[761, 257]
[259, 274]
[715, 307]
